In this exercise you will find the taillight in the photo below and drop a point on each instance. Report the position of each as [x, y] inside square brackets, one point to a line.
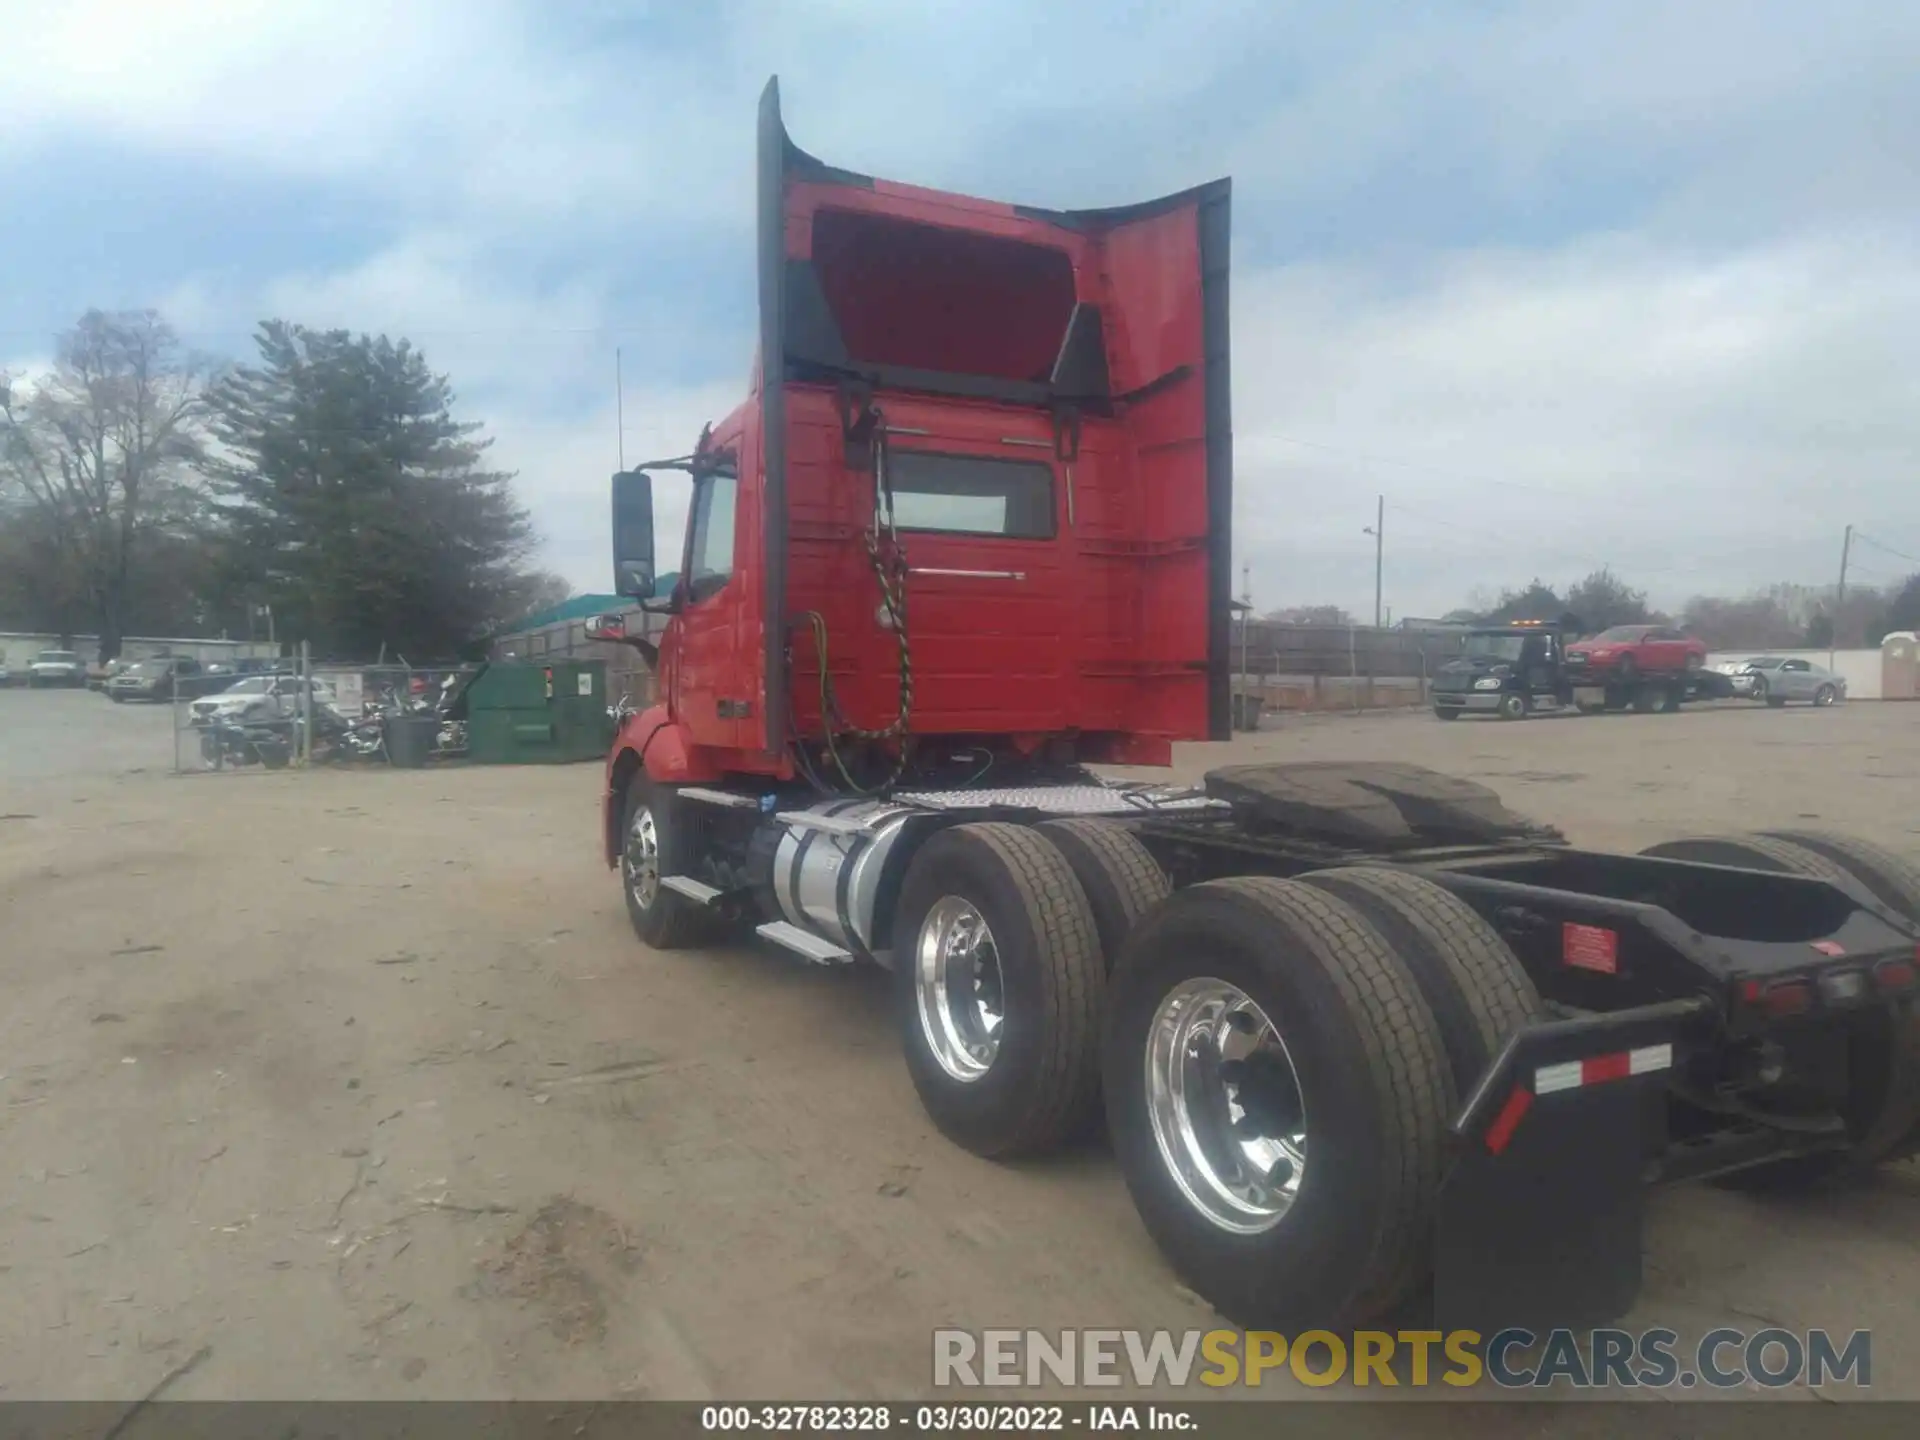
[1785, 998]
[1893, 976]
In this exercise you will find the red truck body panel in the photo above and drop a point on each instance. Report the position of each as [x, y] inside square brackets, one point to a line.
[1082, 356]
[1056, 394]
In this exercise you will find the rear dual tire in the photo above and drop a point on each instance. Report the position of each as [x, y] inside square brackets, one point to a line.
[1343, 1073]
[999, 986]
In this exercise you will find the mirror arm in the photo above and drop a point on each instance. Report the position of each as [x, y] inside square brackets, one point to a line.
[649, 651]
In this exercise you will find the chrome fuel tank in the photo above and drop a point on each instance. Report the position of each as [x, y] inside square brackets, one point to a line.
[828, 864]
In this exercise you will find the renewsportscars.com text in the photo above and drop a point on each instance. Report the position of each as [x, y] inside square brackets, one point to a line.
[1512, 1359]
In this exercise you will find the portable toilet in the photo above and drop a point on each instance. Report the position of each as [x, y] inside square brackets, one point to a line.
[546, 712]
[1900, 666]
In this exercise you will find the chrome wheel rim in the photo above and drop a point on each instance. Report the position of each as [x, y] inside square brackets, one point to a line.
[1225, 1105]
[1823, 696]
[961, 994]
[643, 858]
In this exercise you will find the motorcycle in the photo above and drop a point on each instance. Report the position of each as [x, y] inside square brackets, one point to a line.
[232, 745]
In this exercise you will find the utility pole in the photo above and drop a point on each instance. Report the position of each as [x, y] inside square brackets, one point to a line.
[1246, 618]
[1840, 596]
[1378, 530]
[620, 409]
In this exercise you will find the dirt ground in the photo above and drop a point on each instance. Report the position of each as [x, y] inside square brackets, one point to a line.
[356, 1084]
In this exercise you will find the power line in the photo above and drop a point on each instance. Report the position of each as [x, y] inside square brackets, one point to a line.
[1879, 545]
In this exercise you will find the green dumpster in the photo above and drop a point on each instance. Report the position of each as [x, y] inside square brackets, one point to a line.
[535, 712]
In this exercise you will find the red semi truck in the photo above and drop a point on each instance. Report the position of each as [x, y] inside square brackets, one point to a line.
[1355, 1030]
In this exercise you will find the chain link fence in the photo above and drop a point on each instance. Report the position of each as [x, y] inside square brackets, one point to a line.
[298, 712]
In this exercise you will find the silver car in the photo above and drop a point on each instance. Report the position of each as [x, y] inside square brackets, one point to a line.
[1778, 679]
[259, 698]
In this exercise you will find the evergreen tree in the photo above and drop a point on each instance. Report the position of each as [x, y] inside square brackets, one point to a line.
[358, 506]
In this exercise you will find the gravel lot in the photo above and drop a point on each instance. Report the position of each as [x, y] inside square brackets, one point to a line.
[358, 1082]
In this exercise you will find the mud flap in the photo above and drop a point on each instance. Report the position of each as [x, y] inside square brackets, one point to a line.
[1539, 1221]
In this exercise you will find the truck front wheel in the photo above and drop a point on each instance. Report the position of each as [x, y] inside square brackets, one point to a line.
[1277, 1096]
[657, 843]
[999, 990]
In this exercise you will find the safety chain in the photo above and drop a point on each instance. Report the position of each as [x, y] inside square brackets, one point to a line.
[890, 571]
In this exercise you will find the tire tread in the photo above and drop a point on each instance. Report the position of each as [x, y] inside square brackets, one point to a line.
[1121, 880]
[1485, 977]
[1403, 1055]
[1073, 985]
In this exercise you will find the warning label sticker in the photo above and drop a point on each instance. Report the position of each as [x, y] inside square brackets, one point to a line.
[1590, 947]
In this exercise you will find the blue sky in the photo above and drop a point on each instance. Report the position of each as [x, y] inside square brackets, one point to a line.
[1569, 284]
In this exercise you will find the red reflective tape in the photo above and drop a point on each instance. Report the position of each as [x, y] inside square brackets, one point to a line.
[1590, 947]
[1616, 1066]
[1508, 1120]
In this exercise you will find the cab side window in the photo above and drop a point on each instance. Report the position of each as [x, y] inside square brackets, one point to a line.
[710, 543]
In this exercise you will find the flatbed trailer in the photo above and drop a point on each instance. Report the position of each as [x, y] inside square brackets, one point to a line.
[1515, 670]
[1360, 1035]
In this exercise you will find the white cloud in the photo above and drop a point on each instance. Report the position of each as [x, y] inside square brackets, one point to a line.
[492, 331]
[533, 364]
[1698, 421]
[1701, 422]
[303, 85]
[564, 470]
[1698, 399]
[519, 117]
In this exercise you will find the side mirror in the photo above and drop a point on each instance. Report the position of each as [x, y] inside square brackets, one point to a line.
[607, 627]
[633, 534]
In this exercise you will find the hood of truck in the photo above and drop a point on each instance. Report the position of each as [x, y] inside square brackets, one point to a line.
[1460, 672]
[871, 289]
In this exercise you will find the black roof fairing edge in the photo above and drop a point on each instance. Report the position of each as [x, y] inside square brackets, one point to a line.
[772, 147]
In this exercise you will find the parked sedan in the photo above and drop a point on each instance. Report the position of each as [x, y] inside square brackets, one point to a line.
[57, 667]
[1778, 679]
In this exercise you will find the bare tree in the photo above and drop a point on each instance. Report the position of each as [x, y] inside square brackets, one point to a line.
[100, 449]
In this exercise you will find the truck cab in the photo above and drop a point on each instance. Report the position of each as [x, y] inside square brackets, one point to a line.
[973, 514]
[1506, 670]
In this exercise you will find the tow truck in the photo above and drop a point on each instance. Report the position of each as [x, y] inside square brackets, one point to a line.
[1511, 670]
[1531, 667]
[1361, 1036]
